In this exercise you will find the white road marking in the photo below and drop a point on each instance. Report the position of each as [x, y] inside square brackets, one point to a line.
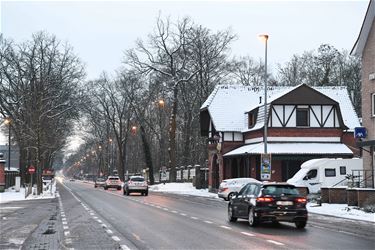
[166, 209]
[182, 214]
[275, 242]
[174, 211]
[109, 231]
[194, 218]
[10, 208]
[100, 221]
[248, 234]
[63, 219]
[95, 218]
[225, 227]
[92, 214]
[104, 225]
[64, 223]
[65, 227]
[66, 233]
[115, 238]
[208, 222]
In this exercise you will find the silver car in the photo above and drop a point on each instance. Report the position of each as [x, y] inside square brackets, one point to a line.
[136, 184]
[228, 187]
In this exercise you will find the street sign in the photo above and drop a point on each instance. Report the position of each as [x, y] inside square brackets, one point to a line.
[265, 168]
[31, 169]
[360, 132]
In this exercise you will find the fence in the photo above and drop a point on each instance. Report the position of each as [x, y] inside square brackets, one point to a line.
[195, 174]
[10, 177]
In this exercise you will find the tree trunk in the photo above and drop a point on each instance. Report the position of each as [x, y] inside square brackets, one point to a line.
[147, 152]
[172, 137]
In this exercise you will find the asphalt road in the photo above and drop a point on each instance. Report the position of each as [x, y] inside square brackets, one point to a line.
[111, 220]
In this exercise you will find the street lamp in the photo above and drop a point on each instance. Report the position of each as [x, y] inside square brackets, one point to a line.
[264, 38]
[8, 122]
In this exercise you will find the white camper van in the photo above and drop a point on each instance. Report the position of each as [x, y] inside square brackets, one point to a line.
[325, 172]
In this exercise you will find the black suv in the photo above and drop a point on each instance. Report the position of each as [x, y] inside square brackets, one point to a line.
[268, 202]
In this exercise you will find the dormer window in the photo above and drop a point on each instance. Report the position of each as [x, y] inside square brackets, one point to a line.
[252, 119]
[302, 117]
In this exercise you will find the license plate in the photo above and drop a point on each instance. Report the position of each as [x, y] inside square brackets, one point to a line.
[284, 203]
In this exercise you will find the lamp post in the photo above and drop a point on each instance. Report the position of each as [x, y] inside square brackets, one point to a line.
[264, 38]
[8, 122]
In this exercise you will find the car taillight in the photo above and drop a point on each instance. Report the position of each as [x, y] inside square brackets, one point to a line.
[223, 189]
[264, 199]
[301, 200]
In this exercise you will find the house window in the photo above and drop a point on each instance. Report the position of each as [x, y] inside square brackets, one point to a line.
[251, 119]
[373, 104]
[302, 117]
[342, 170]
[330, 172]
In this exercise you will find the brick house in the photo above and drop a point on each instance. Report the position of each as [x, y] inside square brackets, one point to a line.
[365, 48]
[303, 123]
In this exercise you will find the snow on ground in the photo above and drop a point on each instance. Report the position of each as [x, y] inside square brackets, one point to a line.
[11, 195]
[181, 188]
[338, 210]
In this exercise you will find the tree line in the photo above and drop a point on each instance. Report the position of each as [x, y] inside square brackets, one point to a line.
[146, 114]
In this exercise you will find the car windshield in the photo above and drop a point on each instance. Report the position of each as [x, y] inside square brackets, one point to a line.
[100, 179]
[137, 179]
[280, 190]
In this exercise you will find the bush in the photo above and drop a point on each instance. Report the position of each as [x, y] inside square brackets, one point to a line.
[369, 205]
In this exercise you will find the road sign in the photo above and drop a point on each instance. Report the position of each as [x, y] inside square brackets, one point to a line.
[265, 168]
[31, 169]
[360, 132]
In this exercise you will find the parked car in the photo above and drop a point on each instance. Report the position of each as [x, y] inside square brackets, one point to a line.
[230, 186]
[136, 184]
[113, 182]
[325, 172]
[268, 202]
[99, 182]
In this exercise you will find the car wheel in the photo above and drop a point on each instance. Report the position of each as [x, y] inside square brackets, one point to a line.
[252, 220]
[230, 196]
[118, 188]
[231, 218]
[300, 224]
[95, 186]
[105, 188]
[127, 192]
[123, 192]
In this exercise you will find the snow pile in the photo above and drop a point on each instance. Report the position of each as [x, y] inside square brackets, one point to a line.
[11, 195]
[341, 210]
[182, 188]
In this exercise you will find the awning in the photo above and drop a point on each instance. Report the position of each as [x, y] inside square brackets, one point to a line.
[293, 149]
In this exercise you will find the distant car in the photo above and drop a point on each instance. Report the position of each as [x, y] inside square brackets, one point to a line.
[136, 184]
[229, 186]
[71, 179]
[113, 182]
[268, 202]
[99, 182]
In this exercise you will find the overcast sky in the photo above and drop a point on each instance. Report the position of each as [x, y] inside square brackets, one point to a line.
[100, 31]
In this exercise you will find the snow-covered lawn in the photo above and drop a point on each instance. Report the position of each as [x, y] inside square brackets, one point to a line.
[11, 195]
[181, 188]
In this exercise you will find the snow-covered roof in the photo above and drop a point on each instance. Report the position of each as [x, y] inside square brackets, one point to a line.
[293, 149]
[228, 104]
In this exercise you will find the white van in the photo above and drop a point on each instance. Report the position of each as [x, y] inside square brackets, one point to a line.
[325, 172]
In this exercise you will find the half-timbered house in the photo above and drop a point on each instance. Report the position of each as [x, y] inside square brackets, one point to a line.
[303, 123]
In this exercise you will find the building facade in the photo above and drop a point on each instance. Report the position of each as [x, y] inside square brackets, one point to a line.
[365, 48]
[303, 123]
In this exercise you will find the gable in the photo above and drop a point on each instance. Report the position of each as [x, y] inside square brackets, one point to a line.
[304, 95]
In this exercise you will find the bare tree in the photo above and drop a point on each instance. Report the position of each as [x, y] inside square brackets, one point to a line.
[39, 90]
